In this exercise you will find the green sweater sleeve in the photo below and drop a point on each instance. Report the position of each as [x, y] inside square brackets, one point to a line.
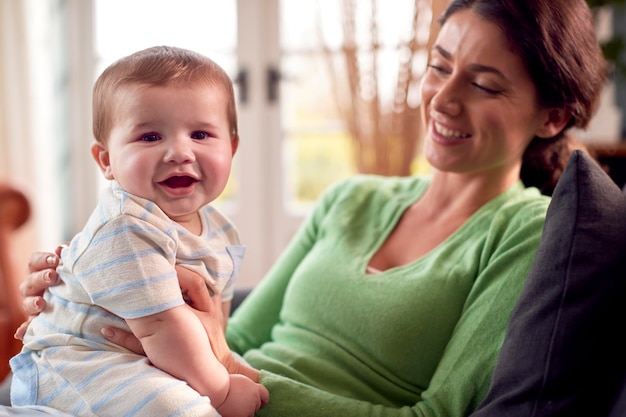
[336, 347]
[252, 323]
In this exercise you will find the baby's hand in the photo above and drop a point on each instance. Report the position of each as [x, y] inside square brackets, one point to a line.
[244, 398]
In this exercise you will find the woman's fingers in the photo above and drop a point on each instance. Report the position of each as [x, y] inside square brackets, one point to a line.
[21, 331]
[33, 305]
[37, 282]
[124, 339]
[41, 274]
[199, 296]
[59, 248]
[33, 287]
[43, 260]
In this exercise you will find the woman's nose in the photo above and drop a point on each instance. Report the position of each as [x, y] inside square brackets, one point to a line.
[447, 98]
[180, 151]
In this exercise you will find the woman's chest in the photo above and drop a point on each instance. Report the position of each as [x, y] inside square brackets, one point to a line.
[396, 316]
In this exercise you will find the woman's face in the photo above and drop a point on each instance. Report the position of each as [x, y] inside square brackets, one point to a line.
[479, 105]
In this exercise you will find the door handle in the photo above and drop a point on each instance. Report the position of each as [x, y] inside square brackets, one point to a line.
[273, 84]
[242, 80]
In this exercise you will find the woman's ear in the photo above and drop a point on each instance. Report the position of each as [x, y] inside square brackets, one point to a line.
[554, 122]
[100, 154]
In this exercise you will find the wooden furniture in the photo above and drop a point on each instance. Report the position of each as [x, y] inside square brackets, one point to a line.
[14, 212]
[612, 157]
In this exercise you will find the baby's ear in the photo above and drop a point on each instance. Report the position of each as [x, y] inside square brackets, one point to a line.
[100, 154]
[234, 144]
[555, 121]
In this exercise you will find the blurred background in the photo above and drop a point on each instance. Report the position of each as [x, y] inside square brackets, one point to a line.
[325, 89]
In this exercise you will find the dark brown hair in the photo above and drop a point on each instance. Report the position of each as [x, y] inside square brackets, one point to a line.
[556, 39]
[157, 66]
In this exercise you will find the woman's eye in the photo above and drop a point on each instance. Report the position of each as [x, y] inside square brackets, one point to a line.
[199, 135]
[150, 137]
[488, 90]
[437, 68]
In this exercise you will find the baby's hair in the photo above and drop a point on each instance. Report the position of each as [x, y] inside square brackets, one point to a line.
[156, 66]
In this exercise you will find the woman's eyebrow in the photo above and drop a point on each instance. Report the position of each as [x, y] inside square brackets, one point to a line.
[473, 67]
[443, 52]
[487, 68]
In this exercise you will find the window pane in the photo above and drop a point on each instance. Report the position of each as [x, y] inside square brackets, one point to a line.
[126, 26]
[318, 148]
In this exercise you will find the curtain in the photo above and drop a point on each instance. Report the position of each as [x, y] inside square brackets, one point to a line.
[386, 134]
[27, 143]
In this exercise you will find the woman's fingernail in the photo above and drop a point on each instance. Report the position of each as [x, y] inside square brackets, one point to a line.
[46, 277]
[108, 333]
[38, 304]
[51, 259]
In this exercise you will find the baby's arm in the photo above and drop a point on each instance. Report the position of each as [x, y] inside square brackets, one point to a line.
[175, 342]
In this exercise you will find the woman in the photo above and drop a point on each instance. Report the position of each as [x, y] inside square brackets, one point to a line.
[394, 296]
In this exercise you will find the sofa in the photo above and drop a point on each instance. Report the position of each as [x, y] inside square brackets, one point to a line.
[563, 354]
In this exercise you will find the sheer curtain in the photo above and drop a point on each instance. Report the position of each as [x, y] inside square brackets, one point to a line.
[28, 147]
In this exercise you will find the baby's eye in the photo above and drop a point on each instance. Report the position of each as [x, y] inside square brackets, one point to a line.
[199, 135]
[149, 137]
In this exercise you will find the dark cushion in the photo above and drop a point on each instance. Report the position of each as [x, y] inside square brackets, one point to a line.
[563, 353]
[238, 297]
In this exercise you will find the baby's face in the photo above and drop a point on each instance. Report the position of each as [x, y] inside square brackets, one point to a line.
[171, 145]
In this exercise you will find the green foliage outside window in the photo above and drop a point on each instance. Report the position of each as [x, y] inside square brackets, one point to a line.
[613, 48]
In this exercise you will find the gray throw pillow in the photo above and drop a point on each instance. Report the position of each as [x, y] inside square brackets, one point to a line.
[564, 354]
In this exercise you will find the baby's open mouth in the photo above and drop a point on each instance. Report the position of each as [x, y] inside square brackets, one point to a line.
[179, 181]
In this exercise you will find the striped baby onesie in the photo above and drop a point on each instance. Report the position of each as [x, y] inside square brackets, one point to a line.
[121, 266]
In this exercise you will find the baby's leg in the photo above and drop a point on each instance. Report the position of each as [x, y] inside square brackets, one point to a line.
[85, 383]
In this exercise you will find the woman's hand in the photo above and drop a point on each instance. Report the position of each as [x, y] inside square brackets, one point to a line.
[41, 275]
[211, 313]
[195, 294]
[123, 338]
[211, 320]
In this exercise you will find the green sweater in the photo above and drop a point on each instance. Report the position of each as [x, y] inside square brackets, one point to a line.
[416, 340]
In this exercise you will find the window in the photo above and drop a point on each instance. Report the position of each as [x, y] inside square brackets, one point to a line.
[294, 141]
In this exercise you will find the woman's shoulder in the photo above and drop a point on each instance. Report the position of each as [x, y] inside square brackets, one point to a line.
[521, 207]
[523, 198]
